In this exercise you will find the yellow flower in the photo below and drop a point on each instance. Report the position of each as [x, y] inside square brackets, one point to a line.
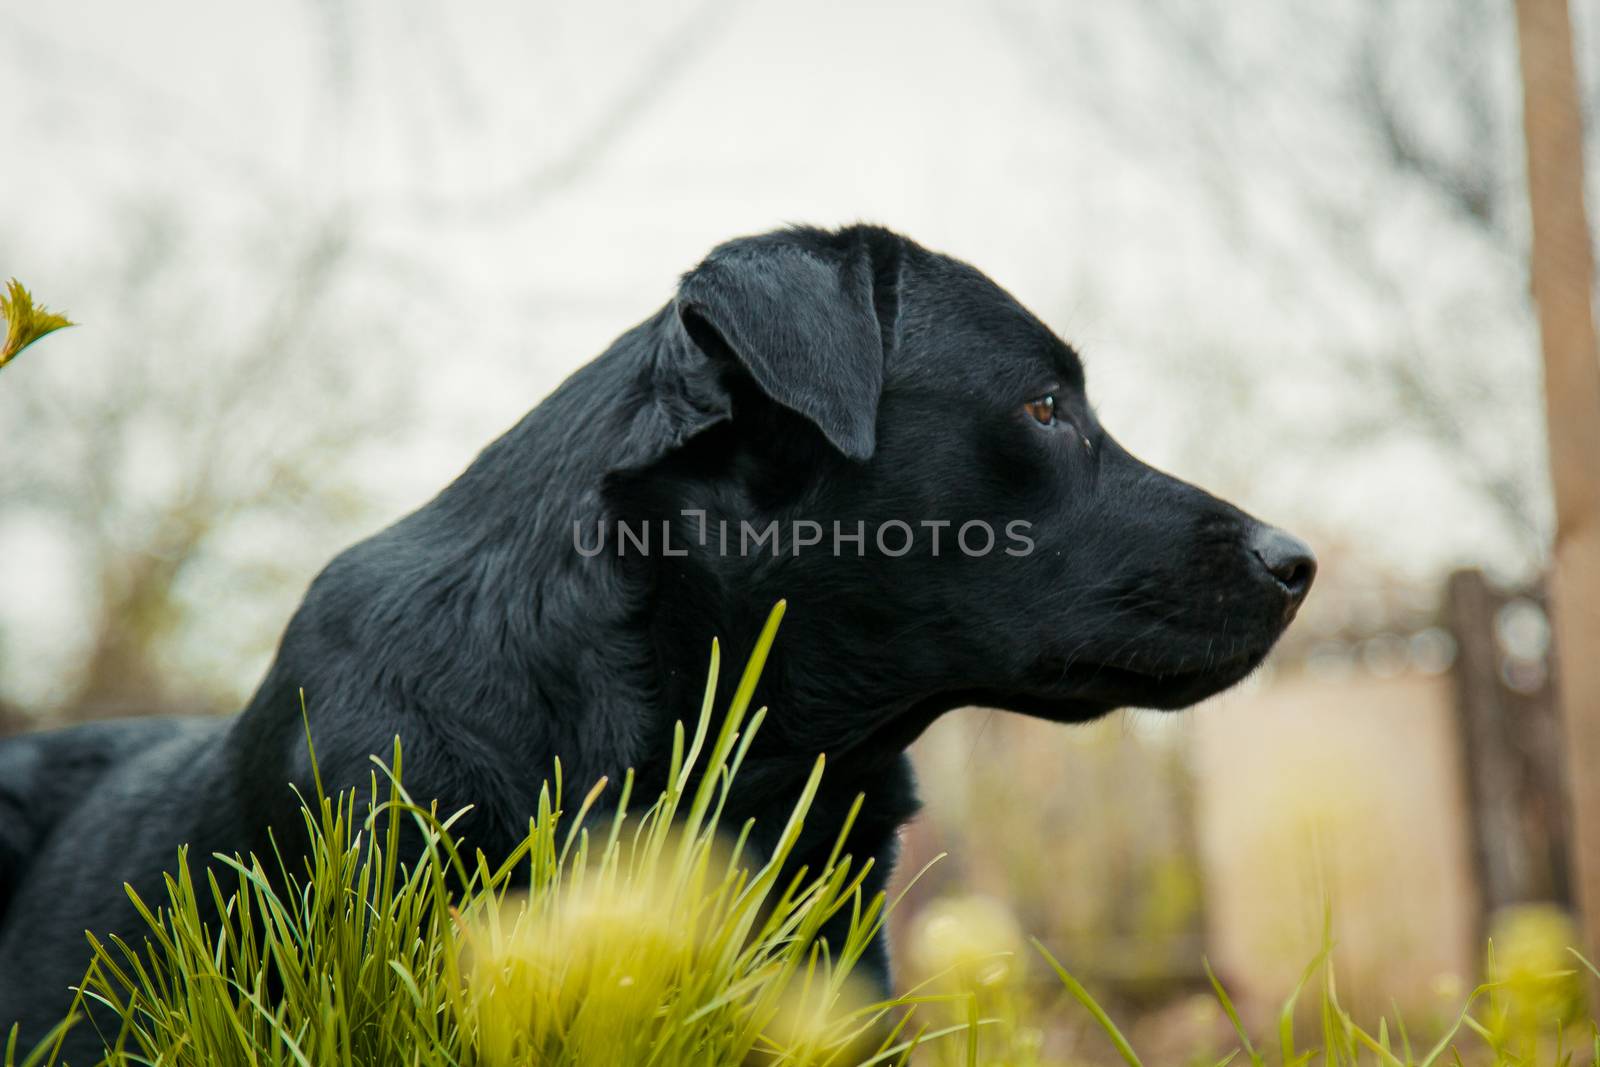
[1543, 990]
[586, 971]
[974, 939]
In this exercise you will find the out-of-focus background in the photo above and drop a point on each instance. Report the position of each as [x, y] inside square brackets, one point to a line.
[324, 251]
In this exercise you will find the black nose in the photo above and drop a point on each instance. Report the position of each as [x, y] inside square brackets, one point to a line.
[1288, 559]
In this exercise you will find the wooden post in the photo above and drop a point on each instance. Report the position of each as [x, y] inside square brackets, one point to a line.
[1512, 757]
[1563, 285]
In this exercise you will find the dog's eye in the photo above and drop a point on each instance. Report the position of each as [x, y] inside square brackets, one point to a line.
[1043, 409]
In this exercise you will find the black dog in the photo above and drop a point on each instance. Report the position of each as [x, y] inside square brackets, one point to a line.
[874, 431]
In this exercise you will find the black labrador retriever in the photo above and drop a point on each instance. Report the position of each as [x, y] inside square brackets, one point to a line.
[874, 431]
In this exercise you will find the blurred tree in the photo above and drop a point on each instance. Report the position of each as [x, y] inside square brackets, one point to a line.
[1563, 289]
[1359, 165]
[148, 466]
[253, 341]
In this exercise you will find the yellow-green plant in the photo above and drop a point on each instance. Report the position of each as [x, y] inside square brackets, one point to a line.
[613, 937]
[1539, 990]
[971, 949]
[1344, 1042]
[25, 322]
[656, 938]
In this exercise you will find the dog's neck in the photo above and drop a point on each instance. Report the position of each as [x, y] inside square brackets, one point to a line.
[477, 622]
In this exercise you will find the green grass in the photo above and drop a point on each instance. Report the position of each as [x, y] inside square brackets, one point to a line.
[611, 936]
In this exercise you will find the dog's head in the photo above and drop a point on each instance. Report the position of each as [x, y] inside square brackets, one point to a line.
[953, 523]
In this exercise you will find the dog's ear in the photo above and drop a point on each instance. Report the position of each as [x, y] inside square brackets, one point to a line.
[802, 323]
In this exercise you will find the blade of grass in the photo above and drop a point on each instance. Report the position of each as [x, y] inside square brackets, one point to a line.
[1081, 995]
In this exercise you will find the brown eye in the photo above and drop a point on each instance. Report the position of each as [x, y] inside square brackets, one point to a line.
[1043, 409]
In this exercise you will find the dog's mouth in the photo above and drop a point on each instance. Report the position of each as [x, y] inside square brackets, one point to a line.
[1168, 689]
[1080, 689]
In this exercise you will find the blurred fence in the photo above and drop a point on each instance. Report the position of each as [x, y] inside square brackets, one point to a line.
[1417, 790]
[1086, 835]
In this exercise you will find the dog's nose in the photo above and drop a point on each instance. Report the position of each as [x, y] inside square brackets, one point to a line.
[1288, 559]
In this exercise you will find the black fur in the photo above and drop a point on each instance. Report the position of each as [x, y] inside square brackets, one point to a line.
[847, 376]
